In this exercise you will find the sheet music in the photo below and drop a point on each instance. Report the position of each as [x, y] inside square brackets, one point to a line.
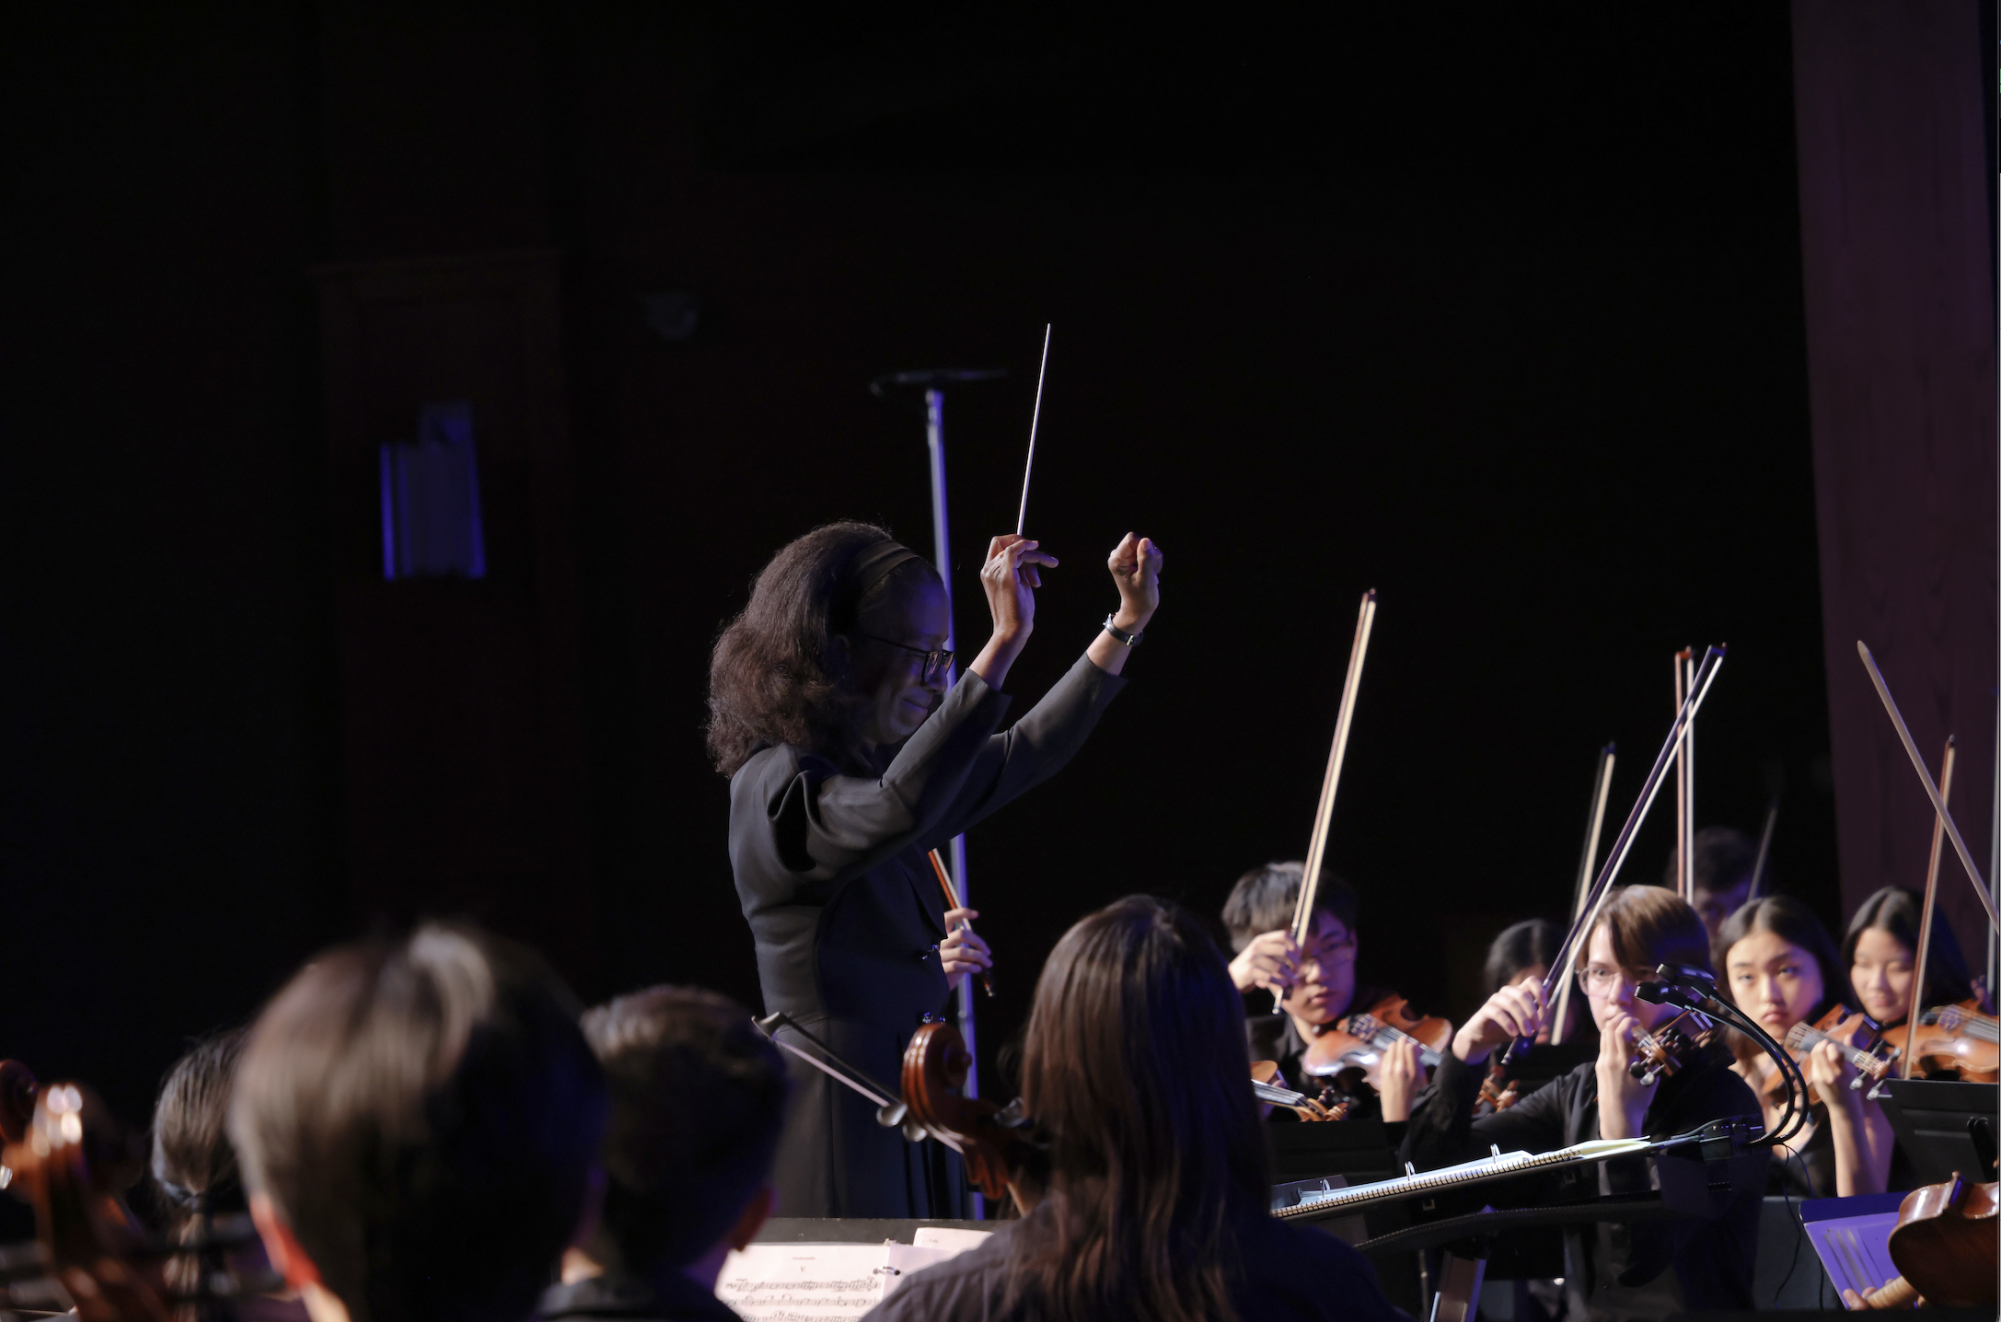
[775, 1282]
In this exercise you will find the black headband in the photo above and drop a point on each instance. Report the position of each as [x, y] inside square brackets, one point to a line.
[871, 565]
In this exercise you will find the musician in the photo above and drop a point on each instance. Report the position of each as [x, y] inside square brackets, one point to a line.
[1317, 978]
[1725, 862]
[1522, 953]
[848, 760]
[1157, 1199]
[1880, 951]
[193, 1177]
[1782, 968]
[1611, 1270]
[697, 1106]
[418, 1124]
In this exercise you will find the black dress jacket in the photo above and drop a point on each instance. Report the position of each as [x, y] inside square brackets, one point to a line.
[1611, 1270]
[847, 914]
[1280, 1273]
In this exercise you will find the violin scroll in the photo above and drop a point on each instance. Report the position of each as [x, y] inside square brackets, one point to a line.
[997, 1142]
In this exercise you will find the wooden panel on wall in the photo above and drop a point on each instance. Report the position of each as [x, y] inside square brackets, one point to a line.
[1897, 255]
[462, 725]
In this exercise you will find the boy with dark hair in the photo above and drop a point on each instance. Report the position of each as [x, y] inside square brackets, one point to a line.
[1316, 976]
[418, 1125]
[1724, 863]
[697, 1106]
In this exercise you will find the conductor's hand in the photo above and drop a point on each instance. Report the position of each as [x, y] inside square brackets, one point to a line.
[963, 952]
[1011, 575]
[1135, 566]
[1270, 961]
[1512, 1012]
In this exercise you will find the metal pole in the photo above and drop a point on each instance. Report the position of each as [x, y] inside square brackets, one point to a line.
[941, 547]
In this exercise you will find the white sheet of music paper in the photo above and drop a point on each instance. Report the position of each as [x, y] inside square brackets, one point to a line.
[829, 1282]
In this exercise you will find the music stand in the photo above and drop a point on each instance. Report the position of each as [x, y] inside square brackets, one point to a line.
[1944, 1126]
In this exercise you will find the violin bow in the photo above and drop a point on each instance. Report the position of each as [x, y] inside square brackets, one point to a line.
[1316, 852]
[952, 901]
[891, 1110]
[1684, 783]
[1705, 675]
[1764, 850]
[1034, 421]
[1931, 902]
[1594, 824]
[1925, 776]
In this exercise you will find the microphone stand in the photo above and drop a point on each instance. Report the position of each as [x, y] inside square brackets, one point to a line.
[933, 382]
[1693, 989]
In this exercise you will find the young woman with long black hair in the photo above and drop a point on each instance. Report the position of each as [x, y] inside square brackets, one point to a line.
[848, 760]
[1157, 1205]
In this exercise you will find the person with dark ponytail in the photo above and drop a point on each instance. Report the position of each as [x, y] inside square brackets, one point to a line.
[848, 760]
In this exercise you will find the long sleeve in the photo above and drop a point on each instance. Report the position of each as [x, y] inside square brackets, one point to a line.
[798, 827]
[1443, 1131]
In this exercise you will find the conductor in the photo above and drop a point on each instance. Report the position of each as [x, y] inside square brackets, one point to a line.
[848, 760]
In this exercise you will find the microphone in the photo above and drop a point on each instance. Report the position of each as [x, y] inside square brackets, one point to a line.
[932, 378]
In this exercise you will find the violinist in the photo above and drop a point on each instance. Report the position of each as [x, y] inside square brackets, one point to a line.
[1880, 950]
[419, 1124]
[1522, 953]
[1611, 1270]
[1317, 978]
[848, 760]
[1725, 861]
[697, 1106]
[193, 1177]
[1783, 969]
[1157, 1197]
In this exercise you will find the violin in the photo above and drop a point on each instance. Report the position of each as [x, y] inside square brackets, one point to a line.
[1872, 1062]
[1498, 1092]
[1952, 1042]
[1661, 1054]
[1004, 1151]
[1945, 1245]
[1271, 1088]
[1354, 1046]
[73, 1161]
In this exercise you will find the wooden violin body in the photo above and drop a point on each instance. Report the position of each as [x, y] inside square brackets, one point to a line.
[1002, 1152]
[1947, 1244]
[1950, 1042]
[1353, 1048]
[73, 1162]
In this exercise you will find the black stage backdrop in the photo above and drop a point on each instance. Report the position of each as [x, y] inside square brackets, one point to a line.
[1501, 317]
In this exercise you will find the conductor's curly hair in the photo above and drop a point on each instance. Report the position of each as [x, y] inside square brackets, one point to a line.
[774, 677]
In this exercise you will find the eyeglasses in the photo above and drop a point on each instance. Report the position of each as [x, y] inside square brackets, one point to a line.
[936, 661]
[1597, 979]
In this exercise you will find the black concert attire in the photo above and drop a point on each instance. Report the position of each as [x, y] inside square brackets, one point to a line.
[1282, 1272]
[1643, 1270]
[847, 914]
[628, 1299]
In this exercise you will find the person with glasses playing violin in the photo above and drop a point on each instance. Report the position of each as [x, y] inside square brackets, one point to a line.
[850, 755]
[1611, 1270]
[1317, 979]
